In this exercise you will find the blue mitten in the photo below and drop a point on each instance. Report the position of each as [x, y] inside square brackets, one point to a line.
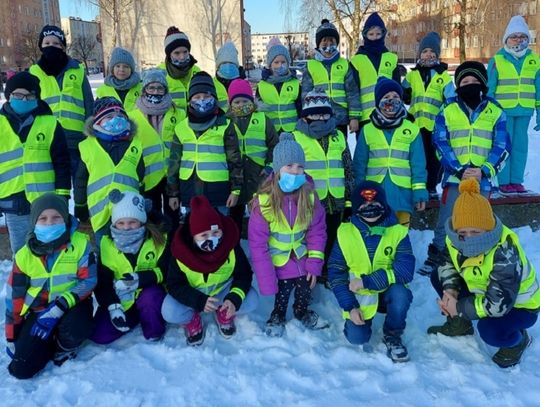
[420, 195]
[47, 320]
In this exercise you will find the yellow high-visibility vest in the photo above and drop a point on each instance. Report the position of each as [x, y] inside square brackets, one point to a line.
[281, 106]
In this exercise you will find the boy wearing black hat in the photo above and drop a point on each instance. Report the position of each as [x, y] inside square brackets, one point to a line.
[33, 155]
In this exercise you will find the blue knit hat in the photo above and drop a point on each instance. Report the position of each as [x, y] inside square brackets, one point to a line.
[121, 56]
[154, 75]
[374, 20]
[431, 40]
[287, 151]
[385, 85]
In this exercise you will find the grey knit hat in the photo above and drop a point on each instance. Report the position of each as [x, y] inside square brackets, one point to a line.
[227, 53]
[49, 201]
[154, 75]
[287, 151]
[121, 56]
[431, 40]
[275, 48]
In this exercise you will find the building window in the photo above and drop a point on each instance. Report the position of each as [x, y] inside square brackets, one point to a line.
[533, 36]
[532, 7]
[475, 41]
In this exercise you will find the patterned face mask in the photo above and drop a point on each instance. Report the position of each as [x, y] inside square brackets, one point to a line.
[210, 244]
[244, 110]
[330, 49]
[204, 105]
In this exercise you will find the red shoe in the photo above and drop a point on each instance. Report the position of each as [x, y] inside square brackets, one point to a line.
[194, 331]
[507, 189]
[226, 325]
[519, 188]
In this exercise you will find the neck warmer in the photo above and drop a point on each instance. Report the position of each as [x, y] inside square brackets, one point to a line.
[53, 61]
[125, 84]
[39, 248]
[317, 129]
[154, 109]
[475, 245]
[201, 123]
[382, 122]
[514, 53]
[273, 79]
[177, 72]
[326, 60]
[128, 241]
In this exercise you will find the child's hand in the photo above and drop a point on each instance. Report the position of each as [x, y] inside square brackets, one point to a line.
[229, 307]
[312, 280]
[211, 304]
[356, 317]
[353, 126]
[420, 206]
[232, 200]
[472, 173]
[356, 284]
[174, 203]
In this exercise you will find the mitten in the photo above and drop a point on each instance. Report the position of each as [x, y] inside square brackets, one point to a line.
[118, 318]
[127, 284]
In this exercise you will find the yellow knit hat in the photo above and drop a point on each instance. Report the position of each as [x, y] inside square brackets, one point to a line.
[471, 209]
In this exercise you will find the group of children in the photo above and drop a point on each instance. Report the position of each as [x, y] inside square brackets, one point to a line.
[170, 162]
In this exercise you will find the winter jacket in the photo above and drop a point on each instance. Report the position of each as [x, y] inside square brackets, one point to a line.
[338, 270]
[17, 203]
[259, 234]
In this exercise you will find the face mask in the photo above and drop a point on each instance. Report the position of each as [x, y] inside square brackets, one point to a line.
[390, 105]
[52, 53]
[128, 241]
[208, 245]
[244, 110]
[228, 71]
[204, 105]
[281, 71]
[153, 99]
[371, 211]
[522, 45]
[289, 182]
[182, 63]
[427, 63]
[116, 125]
[321, 128]
[49, 233]
[471, 94]
[329, 49]
[23, 106]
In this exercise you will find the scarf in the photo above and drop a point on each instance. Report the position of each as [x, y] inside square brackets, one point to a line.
[382, 122]
[128, 241]
[40, 249]
[152, 109]
[179, 73]
[475, 245]
[125, 84]
[373, 50]
[326, 60]
[317, 129]
[269, 76]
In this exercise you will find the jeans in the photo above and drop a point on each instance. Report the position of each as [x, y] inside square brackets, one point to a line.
[395, 301]
[18, 227]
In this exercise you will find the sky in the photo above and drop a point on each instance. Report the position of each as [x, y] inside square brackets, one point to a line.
[78, 8]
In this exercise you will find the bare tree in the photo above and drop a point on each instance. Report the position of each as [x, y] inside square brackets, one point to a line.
[27, 47]
[82, 48]
[115, 10]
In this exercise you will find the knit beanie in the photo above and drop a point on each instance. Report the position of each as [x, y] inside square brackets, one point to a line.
[48, 201]
[106, 105]
[127, 204]
[51, 30]
[374, 20]
[203, 216]
[517, 24]
[154, 75]
[201, 82]
[326, 29]
[275, 48]
[121, 56]
[287, 151]
[385, 85]
[368, 191]
[471, 68]
[471, 209]
[227, 53]
[431, 40]
[22, 80]
[174, 39]
[316, 102]
[240, 87]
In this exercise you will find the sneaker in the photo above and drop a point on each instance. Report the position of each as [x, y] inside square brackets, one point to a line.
[508, 357]
[225, 325]
[507, 189]
[519, 189]
[194, 331]
[456, 326]
[275, 326]
[433, 261]
[395, 349]
[311, 320]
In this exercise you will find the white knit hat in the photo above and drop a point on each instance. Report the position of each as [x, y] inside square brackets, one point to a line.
[517, 24]
[127, 204]
[227, 53]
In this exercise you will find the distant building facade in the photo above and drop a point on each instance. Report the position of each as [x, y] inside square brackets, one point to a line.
[82, 38]
[297, 42]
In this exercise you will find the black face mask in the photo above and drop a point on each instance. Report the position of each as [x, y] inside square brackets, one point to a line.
[471, 94]
[371, 211]
[53, 60]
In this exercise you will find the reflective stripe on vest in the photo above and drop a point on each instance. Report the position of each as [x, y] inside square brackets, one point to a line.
[61, 278]
[281, 107]
[368, 78]
[205, 154]
[333, 84]
[66, 104]
[131, 96]
[222, 97]
[393, 159]
[426, 103]
[357, 258]
[27, 167]
[215, 281]
[253, 143]
[476, 273]
[515, 88]
[115, 260]
[104, 176]
[326, 169]
[178, 91]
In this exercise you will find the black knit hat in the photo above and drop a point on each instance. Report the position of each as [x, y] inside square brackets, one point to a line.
[48, 201]
[22, 80]
[201, 82]
[471, 68]
[174, 39]
[326, 29]
[51, 30]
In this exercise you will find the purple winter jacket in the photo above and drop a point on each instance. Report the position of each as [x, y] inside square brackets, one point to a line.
[259, 234]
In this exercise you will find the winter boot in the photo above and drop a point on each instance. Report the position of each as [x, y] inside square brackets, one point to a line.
[194, 331]
[395, 349]
[311, 320]
[275, 326]
[433, 261]
[508, 357]
[62, 354]
[225, 325]
[456, 326]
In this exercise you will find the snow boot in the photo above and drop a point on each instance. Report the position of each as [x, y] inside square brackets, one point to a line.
[62, 355]
[194, 331]
[456, 326]
[508, 357]
[311, 320]
[225, 325]
[395, 349]
[433, 261]
[275, 326]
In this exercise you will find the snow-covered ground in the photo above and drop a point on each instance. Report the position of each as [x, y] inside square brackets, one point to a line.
[303, 368]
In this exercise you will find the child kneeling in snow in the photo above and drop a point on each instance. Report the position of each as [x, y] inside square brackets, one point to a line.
[486, 276]
[209, 272]
[132, 265]
[369, 269]
[287, 236]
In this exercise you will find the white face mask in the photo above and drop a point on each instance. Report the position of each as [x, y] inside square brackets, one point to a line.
[208, 245]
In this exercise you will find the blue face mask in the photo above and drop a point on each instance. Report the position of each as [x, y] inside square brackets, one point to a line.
[281, 71]
[23, 106]
[204, 105]
[48, 233]
[289, 182]
[228, 71]
[330, 49]
[116, 125]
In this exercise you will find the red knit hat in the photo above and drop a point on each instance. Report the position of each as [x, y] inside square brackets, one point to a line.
[240, 87]
[203, 217]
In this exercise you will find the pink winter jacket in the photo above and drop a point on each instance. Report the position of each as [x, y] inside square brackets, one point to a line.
[259, 234]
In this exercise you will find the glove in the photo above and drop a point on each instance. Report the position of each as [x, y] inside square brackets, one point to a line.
[10, 349]
[127, 284]
[420, 195]
[537, 127]
[118, 318]
[47, 320]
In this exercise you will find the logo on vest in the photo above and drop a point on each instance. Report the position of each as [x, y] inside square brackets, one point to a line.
[407, 132]
[477, 271]
[532, 62]
[339, 67]
[137, 93]
[388, 64]
[439, 81]
[40, 137]
[150, 256]
[134, 150]
[289, 88]
[388, 250]
[72, 77]
[173, 119]
[255, 121]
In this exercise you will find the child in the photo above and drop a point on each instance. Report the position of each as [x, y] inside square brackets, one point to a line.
[257, 139]
[332, 73]
[48, 304]
[205, 158]
[328, 162]
[112, 157]
[426, 87]
[390, 152]
[179, 65]
[122, 82]
[30, 137]
[227, 70]
[279, 91]
[373, 60]
[209, 272]
[65, 88]
[286, 237]
[472, 142]
[132, 266]
[486, 277]
[515, 83]
[369, 269]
